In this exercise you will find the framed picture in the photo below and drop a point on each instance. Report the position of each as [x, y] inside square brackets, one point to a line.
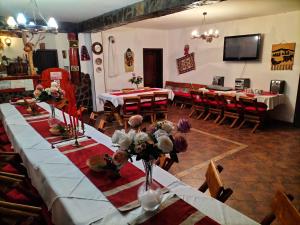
[283, 56]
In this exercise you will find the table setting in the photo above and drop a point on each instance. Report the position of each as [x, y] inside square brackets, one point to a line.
[76, 193]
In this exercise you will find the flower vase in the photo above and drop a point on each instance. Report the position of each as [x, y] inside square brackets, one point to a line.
[149, 193]
[52, 121]
[137, 86]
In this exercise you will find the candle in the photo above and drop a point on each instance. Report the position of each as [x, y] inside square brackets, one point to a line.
[71, 123]
[65, 121]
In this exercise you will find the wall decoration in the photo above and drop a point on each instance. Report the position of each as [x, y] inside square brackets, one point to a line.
[64, 54]
[112, 69]
[74, 58]
[84, 54]
[129, 60]
[186, 49]
[186, 63]
[98, 69]
[98, 61]
[97, 48]
[283, 56]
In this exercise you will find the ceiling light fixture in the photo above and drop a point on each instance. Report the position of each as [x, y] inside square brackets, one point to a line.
[207, 35]
[34, 26]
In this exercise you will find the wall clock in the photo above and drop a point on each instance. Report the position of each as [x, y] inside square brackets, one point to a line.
[97, 48]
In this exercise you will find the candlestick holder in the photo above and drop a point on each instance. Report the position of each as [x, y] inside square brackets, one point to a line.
[76, 143]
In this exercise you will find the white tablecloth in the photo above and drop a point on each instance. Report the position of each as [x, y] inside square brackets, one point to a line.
[73, 199]
[117, 100]
[270, 100]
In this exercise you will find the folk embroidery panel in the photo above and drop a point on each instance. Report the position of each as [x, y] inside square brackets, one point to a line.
[186, 63]
[283, 56]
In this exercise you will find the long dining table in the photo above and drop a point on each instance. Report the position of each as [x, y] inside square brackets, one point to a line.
[73, 198]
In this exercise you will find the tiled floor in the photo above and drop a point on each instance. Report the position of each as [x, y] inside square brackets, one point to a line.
[255, 165]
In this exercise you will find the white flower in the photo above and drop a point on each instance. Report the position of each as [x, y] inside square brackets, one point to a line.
[141, 137]
[167, 126]
[53, 89]
[165, 144]
[124, 142]
[131, 134]
[160, 133]
[54, 84]
[116, 136]
[48, 91]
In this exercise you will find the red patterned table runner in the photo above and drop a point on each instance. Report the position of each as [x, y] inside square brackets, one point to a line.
[134, 92]
[121, 192]
[175, 211]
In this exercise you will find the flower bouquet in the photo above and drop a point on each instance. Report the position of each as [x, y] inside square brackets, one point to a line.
[50, 95]
[148, 146]
[135, 80]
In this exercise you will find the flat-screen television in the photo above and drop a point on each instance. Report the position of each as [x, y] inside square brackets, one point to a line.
[242, 47]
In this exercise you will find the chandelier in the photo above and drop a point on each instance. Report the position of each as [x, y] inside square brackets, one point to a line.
[33, 25]
[209, 35]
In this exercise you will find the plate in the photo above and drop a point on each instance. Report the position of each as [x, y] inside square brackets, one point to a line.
[98, 69]
[98, 61]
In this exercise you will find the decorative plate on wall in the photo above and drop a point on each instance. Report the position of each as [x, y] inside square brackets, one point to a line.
[98, 61]
[97, 48]
[98, 69]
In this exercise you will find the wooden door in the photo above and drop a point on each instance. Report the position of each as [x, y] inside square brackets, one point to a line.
[153, 67]
[44, 59]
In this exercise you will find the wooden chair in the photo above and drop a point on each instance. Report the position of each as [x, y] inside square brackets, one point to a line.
[283, 210]
[165, 162]
[147, 106]
[12, 213]
[253, 112]
[215, 106]
[232, 109]
[182, 94]
[109, 114]
[11, 162]
[214, 184]
[198, 103]
[131, 107]
[161, 104]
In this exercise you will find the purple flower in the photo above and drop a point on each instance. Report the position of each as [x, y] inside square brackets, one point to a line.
[183, 125]
[180, 143]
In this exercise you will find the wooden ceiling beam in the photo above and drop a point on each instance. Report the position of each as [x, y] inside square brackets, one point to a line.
[139, 11]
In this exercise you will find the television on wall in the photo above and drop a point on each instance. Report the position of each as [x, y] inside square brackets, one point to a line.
[242, 47]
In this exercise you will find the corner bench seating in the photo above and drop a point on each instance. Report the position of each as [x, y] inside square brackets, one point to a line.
[181, 91]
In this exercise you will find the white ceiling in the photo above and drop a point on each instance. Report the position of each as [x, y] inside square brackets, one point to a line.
[223, 11]
[64, 10]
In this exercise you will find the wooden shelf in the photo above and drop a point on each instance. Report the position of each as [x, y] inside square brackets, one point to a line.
[20, 77]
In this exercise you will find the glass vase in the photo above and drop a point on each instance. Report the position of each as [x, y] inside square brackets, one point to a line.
[149, 193]
[51, 120]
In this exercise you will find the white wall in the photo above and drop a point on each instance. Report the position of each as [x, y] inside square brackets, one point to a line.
[209, 56]
[99, 79]
[87, 66]
[135, 39]
[52, 41]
